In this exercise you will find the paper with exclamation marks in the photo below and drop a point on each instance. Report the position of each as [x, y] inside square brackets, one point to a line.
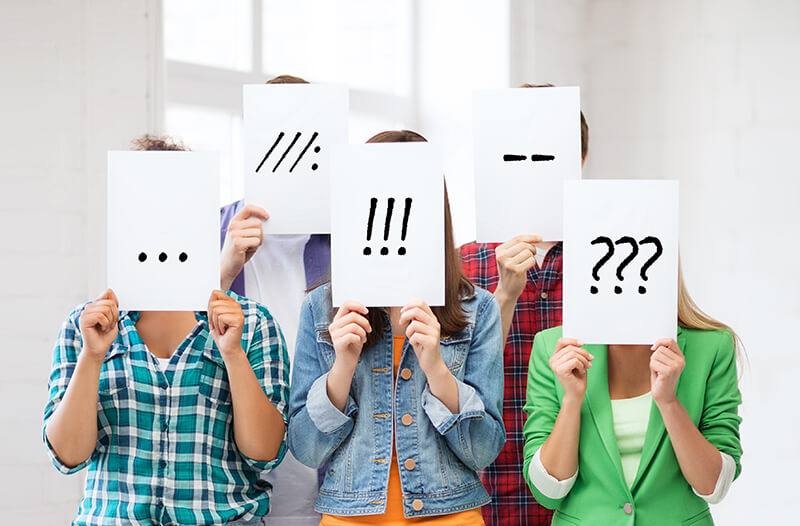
[387, 224]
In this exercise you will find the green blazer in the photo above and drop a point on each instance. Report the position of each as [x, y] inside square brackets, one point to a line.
[707, 388]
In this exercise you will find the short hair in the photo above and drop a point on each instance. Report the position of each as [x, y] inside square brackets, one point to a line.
[287, 79]
[150, 143]
[584, 126]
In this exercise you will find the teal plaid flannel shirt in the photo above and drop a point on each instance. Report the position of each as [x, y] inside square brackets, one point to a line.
[165, 449]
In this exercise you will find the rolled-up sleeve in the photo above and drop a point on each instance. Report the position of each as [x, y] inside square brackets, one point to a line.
[65, 358]
[316, 426]
[476, 434]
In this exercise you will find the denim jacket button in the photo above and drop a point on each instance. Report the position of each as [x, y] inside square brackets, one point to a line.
[410, 464]
[407, 419]
[405, 374]
[416, 504]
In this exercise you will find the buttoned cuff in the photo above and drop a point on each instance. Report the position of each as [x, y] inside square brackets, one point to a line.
[469, 406]
[724, 481]
[63, 468]
[547, 484]
[321, 410]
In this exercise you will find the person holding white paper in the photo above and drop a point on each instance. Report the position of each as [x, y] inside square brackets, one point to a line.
[276, 270]
[403, 403]
[176, 414]
[634, 434]
[524, 274]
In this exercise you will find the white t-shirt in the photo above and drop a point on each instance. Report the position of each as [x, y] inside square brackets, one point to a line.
[275, 277]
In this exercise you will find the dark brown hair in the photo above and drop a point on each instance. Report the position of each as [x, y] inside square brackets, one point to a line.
[584, 126]
[287, 79]
[452, 317]
[148, 143]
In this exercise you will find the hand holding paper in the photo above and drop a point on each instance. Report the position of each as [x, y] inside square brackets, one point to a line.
[666, 365]
[514, 258]
[242, 240]
[226, 322]
[570, 363]
[98, 324]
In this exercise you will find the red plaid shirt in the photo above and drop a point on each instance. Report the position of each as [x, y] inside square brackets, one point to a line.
[538, 308]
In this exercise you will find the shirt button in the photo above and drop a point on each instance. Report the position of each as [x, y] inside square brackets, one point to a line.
[164, 426]
[407, 419]
[405, 374]
[627, 508]
[410, 464]
[163, 464]
[417, 504]
[159, 503]
[543, 295]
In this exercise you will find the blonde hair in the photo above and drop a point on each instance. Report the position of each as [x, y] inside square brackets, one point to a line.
[690, 316]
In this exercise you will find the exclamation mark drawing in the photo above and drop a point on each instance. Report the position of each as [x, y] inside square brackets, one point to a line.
[372, 204]
[389, 208]
[402, 250]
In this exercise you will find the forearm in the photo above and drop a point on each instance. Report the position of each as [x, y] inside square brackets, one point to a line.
[72, 428]
[226, 279]
[258, 426]
[507, 303]
[338, 386]
[443, 386]
[559, 453]
[700, 461]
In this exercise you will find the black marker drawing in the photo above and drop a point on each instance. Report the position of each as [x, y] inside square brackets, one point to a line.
[297, 136]
[628, 240]
[603, 260]
[536, 157]
[373, 204]
[657, 254]
[162, 257]
[627, 260]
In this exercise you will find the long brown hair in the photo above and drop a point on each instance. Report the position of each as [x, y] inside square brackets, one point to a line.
[452, 317]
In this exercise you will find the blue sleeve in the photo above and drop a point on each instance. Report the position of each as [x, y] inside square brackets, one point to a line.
[226, 213]
[316, 426]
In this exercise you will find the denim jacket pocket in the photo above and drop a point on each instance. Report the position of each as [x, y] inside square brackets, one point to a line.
[454, 352]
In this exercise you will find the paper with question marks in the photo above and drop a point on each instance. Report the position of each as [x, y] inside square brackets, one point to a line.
[163, 229]
[288, 132]
[620, 261]
[387, 224]
[526, 143]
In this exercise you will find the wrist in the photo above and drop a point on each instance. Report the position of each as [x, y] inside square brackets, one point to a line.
[667, 405]
[91, 358]
[573, 401]
[438, 375]
[504, 297]
[233, 355]
[343, 368]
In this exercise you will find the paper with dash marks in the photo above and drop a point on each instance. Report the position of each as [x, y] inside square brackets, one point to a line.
[387, 220]
[526, 143]
[288, 132]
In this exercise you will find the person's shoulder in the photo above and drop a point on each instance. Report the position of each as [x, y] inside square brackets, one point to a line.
[548, 338]
[719, 340]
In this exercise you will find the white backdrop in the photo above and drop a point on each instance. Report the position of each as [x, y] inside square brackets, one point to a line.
[702, 91]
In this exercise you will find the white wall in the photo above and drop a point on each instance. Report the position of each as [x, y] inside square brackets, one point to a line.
[77, 80]
[704, 92]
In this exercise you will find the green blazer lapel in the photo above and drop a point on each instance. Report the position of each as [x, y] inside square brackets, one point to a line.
[598, 401]
[655, 428]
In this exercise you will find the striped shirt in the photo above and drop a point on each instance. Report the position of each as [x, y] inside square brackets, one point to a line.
[165, 450]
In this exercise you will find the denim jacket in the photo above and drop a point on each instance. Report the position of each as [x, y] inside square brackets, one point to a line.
[438, 453]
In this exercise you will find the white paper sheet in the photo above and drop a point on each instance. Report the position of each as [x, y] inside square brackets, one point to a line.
[632, 218]
[288, 133]
[163, 229]
[526, 143]
[387, 266]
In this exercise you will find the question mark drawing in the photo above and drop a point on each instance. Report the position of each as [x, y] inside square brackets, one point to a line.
[603, 260]
[634, 250]
[657, 254]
